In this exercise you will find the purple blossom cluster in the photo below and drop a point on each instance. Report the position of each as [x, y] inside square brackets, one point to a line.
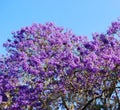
[48, 67]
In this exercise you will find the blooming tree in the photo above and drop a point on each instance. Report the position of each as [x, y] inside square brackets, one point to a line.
[48, 68]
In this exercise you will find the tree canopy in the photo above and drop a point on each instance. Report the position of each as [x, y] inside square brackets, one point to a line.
[48, 68]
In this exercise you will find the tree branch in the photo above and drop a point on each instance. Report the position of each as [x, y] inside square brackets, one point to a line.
[64, 103]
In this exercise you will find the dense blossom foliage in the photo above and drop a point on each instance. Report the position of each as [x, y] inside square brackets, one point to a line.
[48, 68]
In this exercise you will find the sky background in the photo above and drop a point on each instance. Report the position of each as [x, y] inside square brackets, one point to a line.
[82, 16]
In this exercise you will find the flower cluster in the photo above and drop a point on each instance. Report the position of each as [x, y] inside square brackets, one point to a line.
[48, 68]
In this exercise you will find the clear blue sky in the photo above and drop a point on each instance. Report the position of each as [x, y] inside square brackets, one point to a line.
[82, 16]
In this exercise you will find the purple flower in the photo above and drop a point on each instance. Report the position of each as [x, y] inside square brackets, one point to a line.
[4, 98]
[103, 39]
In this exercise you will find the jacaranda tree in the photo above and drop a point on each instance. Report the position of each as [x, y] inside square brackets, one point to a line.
[48, 68]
